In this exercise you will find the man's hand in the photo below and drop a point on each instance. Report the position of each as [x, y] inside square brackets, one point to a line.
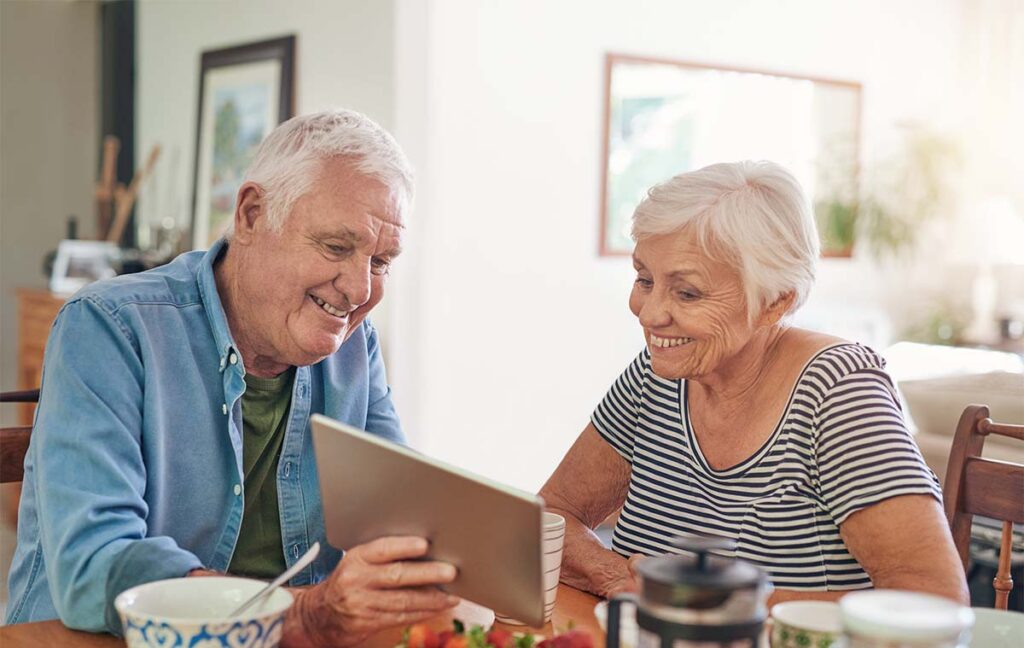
[375, 586]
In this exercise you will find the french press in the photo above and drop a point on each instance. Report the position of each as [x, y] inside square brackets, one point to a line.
[694, 600]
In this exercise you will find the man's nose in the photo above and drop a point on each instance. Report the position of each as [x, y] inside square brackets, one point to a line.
[353, 281]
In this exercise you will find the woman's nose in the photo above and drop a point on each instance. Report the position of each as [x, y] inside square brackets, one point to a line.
[653, 312]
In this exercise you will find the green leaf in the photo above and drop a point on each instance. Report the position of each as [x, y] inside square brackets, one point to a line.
[477, 637]
[525, 641]
[460, 627]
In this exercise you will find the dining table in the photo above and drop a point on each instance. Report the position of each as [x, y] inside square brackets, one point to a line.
[573, 609]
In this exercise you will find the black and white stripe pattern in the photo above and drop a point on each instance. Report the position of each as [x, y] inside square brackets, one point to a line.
[840, 446]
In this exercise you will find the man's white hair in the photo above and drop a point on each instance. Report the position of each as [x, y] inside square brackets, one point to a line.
[751, 214]
[290, 158]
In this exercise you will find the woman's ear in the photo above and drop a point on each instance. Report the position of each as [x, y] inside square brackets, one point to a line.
[771, 315]
[249, 208]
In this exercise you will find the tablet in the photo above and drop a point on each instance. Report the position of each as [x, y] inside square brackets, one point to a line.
[491, 532]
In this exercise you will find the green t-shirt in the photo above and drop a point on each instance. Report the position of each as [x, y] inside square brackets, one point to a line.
[265, 406]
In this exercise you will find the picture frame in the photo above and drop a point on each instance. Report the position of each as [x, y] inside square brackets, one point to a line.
[244, 92]
[663, 117]
[79, 263]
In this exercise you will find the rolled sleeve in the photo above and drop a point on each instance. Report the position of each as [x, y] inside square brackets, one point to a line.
[89, 470]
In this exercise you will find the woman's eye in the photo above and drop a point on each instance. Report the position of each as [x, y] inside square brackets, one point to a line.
[643, 283]
[688, 295]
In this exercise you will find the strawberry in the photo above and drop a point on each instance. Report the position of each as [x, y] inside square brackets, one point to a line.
[456, 641]
[500, 639]
[421, 636]
[443, 637]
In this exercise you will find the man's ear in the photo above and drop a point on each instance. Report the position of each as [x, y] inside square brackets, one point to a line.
[249, 209]
[775, 311]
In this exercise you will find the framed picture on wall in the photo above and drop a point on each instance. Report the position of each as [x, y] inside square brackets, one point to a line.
[244, 91]
[665, 117]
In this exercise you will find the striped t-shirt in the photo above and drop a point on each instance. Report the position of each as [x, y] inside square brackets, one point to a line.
[840, 446]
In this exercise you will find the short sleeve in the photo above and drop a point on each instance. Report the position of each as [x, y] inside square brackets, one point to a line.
[865, 453]
[617, 414]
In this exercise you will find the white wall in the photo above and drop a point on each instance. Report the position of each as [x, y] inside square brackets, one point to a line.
[518, 327]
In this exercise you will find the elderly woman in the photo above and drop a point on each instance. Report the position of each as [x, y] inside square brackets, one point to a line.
[733, 423]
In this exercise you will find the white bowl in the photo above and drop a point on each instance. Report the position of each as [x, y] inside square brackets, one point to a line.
[901, 616]
[194, 612]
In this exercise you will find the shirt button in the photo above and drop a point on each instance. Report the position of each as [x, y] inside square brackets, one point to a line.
[224, 408]
[295, 550]
[238, 489]
[287, 468]
[233, 359]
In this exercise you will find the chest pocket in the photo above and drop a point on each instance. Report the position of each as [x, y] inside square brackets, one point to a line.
[781, 535]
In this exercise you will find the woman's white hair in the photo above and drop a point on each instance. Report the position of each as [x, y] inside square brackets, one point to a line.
[751, 214]
[289, 159]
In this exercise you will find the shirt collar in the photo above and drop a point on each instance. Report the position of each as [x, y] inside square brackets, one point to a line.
[207, 282]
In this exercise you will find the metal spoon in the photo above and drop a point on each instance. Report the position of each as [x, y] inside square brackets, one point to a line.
[301, 563]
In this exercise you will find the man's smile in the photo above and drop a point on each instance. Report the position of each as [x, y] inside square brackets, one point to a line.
[336, 312]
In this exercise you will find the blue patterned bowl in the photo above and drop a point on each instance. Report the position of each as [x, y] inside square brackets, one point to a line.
[193, 613]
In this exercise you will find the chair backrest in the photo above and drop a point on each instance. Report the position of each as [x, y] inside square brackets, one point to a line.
[978, 486]
[14, 440]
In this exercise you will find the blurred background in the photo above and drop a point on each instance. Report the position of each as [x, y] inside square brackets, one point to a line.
[506, 319]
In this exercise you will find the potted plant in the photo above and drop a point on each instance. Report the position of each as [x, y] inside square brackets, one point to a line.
[837, 226]
[902, 193]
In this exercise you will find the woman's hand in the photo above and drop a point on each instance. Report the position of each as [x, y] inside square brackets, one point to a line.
[628, 582]
[377, 585]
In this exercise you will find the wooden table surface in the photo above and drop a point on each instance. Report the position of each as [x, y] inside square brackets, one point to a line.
[571, 606]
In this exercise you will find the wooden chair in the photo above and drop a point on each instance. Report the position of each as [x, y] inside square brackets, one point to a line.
[14, 440]
[978, 486]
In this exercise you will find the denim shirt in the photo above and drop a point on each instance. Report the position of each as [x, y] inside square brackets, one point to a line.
[134, 471]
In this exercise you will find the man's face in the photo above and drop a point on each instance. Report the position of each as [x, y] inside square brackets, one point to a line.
[305, 289]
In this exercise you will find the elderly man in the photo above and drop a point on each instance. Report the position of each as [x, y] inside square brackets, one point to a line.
[172, 436]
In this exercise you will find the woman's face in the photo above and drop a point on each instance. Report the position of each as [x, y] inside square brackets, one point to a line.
[692, 308]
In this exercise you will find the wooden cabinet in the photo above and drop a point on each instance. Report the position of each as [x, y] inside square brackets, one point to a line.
[36, 311]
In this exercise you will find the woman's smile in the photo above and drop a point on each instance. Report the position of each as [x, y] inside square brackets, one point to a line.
[657, 342]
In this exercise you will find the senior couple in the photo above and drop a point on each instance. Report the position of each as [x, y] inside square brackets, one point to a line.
[172, 435]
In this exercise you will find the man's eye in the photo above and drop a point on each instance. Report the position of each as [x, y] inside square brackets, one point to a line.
[380, 266]
[336, 249]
